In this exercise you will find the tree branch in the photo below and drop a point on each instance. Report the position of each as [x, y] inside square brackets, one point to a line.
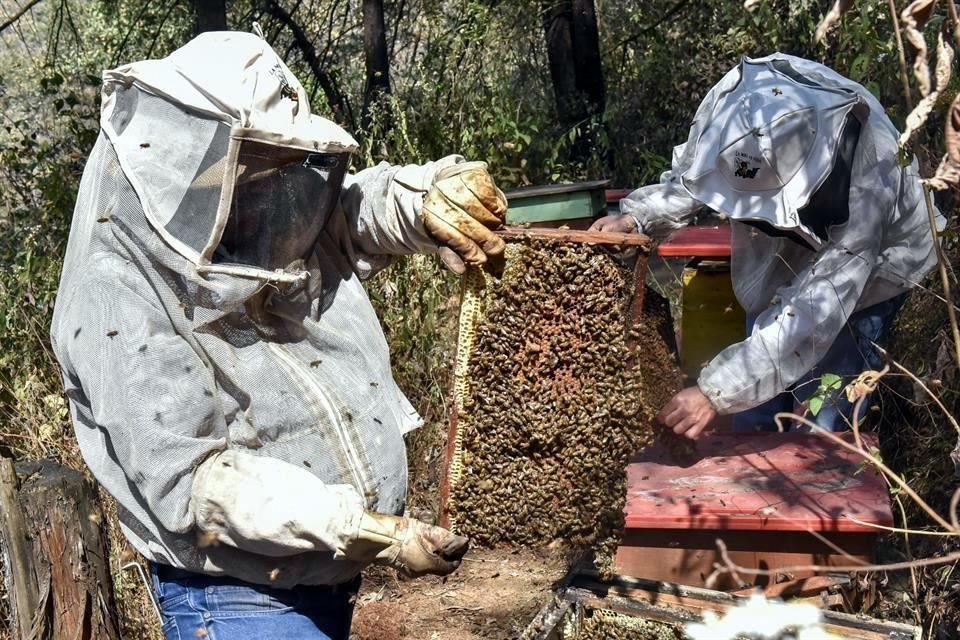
[341, 110]
[669, 14]
[19, 14]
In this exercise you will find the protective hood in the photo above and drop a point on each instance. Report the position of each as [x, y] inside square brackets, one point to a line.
[768, 145]
[218, 142]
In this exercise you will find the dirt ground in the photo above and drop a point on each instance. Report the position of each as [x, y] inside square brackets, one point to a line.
[494, 594]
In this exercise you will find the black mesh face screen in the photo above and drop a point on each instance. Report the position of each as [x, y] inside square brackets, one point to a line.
[830, 204]
[281, 201]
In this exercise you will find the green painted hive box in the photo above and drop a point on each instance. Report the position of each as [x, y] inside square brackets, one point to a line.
[553, 205]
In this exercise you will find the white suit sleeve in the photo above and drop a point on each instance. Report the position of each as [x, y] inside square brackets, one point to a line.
[271, 507]
[660, 209]
[158, 415]
[794, 333]
[382, 211]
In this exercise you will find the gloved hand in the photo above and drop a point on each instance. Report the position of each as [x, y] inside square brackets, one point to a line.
[411, 547]
[459, 211]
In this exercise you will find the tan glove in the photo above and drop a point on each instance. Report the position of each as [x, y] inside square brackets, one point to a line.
[461, 208]
[411, 547]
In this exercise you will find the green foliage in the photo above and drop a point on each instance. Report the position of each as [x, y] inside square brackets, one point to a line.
[42, 147]
[829, 387]
[418, 301]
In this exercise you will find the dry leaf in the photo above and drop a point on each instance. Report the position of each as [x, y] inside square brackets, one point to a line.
[948, 173]
[865, 383]
[831, 19]
[914, 17]
[922, 111]
[918, 12]
[917, 117]
[944, 63]
[953, 131]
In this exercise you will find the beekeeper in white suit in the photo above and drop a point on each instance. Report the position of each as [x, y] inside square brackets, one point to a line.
[829, 231]
[228, 380]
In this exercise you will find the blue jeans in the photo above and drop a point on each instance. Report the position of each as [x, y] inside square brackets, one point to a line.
[221, 608]
[851, 354]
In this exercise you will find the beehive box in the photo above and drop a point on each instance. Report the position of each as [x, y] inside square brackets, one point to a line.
[627, 609]
[710, 316]
[573, 206]
[562, 364]
[778, 501]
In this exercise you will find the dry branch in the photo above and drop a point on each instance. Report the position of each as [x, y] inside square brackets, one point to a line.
[19, 14]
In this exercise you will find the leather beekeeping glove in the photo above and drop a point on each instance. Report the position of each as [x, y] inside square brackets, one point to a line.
[411, 547]
[459, 211]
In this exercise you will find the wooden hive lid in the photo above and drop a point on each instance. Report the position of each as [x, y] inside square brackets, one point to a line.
[697, 242]
[773, 482]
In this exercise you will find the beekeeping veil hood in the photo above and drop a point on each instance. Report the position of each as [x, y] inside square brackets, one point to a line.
[769, 144]
[231, 168]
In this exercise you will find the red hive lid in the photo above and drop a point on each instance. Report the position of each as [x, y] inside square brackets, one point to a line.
[614, 196]
[697, 242]
[775, 482]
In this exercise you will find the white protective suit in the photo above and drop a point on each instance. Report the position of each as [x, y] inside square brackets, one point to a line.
[218, 384]
[802, 285]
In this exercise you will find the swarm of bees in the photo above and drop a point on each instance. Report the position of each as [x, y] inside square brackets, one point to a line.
[561, 388]
[604, 625]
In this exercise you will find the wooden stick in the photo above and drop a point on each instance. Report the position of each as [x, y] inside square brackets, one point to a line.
[901, 56]
[13, 530]
[572, 235]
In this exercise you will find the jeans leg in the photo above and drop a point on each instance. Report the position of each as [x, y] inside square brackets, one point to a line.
[761, 418]
[851, 354]
[220, 608]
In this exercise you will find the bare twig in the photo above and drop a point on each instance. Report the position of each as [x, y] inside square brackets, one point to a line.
[836, 548]
[732, 568]
[875, 461]
[945, 281]
[883, 527]
[906, 546]
[832, 18]
[19, 14]
[923, 386]
[954, 499]
[901, 55]
[955, 21]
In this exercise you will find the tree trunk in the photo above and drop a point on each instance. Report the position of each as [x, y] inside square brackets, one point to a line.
[211, 15]
[558, 28]
[377, 65]
[586, 47]
[58, 571]
[573, 52]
